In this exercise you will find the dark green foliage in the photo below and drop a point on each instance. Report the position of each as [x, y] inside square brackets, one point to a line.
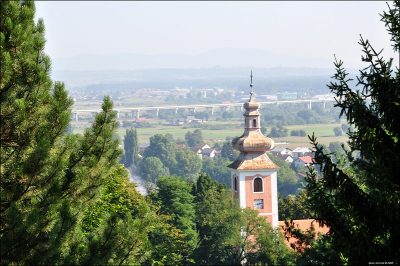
[288, 181]
[228, 152]
[217, 168]
[268, 247]
[194, 138]
[308, 116]
[299, 133]
[51, 180]
[358, 198]
[278, 132]
[122, 217]
[218, 222]
[180, 162]
[287, 114]
[131, 148]
[336, 147]
[151, 168]
[294, 207]
[321, 253]
[175, 199]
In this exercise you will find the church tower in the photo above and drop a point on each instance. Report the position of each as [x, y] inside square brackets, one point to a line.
[254, 175]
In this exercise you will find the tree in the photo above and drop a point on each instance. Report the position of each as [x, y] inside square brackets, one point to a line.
[217, 168]
[180, 162]
[188, 164]
[278, 132]
[358, 197]
[151, 168]
[218, 222]
[268, 246]
[194, 138]
[227, 115]
[228, 152]
[162, 147]
[338, 131]
[336, 147]
[50, 180]
[131, 147]
[264, 130]
[288, 181]
[300, 133]
[175, 199]
[294, 207]
[120, 216]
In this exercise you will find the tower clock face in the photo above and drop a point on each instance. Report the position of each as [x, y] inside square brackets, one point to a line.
[259, 204]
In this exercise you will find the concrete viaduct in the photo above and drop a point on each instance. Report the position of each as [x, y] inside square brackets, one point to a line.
[135, 111]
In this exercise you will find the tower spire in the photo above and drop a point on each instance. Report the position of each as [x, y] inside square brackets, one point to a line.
[251, 85]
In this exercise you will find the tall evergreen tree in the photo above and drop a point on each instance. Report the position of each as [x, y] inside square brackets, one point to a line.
[131, 147]
[49, 179]
[358, 198]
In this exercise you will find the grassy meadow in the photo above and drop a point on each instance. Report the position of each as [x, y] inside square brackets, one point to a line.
[223, 129]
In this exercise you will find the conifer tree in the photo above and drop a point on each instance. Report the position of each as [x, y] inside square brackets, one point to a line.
[131, 147]
[358, 197]
[49, 179]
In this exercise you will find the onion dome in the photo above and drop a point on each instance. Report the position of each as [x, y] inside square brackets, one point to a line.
[252, 144]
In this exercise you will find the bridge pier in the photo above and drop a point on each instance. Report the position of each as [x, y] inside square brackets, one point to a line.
[75, 116]
[118, 114]
[309, 105]
[157, 112]
[137, 114]
[192, 110]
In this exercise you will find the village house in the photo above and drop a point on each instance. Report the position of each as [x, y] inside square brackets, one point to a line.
[303, 161]
[209, 153]
[281, 152]
[287, 158]
[301, 151]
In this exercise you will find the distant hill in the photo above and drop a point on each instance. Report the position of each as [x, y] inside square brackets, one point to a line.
[266, 80]
[219, 57]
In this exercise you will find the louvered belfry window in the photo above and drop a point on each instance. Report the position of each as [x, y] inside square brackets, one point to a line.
[235, 184]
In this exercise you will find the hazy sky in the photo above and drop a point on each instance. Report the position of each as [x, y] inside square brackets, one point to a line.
[315, 29]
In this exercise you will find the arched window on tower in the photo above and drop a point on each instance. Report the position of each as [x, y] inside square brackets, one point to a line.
[235, 183]
[254, 122]
[258, 185]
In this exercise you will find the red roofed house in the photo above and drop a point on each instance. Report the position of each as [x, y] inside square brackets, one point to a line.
[303, 225]
[303, 161]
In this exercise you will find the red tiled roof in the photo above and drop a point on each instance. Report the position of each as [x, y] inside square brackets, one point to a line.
[306, 159]
[303, 225]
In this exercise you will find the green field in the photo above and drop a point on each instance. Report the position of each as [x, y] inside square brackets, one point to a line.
[324, 132]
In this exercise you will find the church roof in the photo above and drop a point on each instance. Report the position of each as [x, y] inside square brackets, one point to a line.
[253, 161]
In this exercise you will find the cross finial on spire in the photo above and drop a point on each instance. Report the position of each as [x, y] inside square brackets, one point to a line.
[251, 85]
